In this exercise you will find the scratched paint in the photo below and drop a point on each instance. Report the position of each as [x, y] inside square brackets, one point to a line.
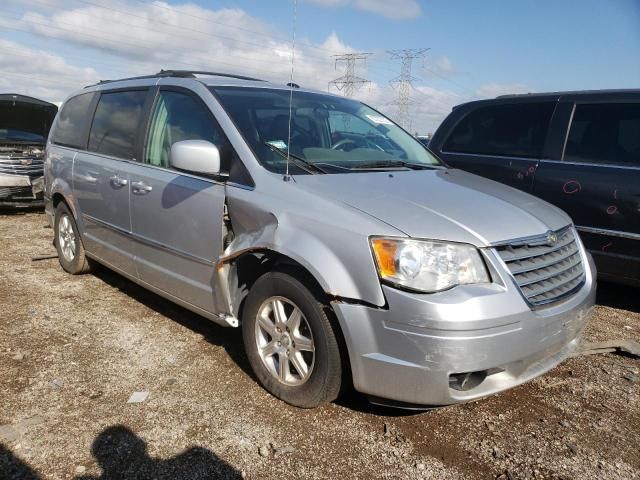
[571, 186]
[607, 245]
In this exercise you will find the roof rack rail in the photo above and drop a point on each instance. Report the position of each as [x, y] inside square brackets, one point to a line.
[180, 74]
[193, 73]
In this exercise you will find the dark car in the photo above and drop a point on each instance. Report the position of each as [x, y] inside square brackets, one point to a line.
[24, 127]
[577, 150]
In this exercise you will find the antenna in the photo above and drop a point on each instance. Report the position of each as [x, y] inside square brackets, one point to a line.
[291, 84]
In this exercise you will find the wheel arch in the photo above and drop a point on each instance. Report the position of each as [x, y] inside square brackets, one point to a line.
[248, 266]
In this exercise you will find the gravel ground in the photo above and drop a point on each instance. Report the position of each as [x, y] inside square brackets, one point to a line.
[74, 349]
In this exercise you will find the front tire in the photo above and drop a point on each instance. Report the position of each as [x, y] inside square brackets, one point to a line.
[71, 254]
[290, 342]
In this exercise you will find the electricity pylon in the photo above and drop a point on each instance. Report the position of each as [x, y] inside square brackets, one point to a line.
[402, 83]
[349, 82]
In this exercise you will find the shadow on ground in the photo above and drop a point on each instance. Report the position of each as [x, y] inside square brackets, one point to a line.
[618, 296]
[228, 338]
[20, 210]
[121, 454]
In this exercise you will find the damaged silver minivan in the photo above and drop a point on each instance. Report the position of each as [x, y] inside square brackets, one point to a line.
[345, 251]
[24, 126]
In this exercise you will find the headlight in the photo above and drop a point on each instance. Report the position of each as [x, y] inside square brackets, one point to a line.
[427, 266]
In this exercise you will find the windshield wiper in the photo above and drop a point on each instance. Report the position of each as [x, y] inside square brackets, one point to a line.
[384, 164]
[305, 164]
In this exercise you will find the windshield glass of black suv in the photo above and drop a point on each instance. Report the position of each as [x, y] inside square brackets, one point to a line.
[326, 133]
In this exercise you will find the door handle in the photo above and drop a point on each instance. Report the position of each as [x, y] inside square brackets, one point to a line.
[141, 188]
[118, 182]
[87, 178]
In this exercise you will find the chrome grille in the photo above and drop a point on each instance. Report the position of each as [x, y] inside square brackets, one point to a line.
[545, 271]
[21, 165]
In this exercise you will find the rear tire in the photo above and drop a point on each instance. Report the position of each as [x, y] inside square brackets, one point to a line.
[71, 253]
[290, 342]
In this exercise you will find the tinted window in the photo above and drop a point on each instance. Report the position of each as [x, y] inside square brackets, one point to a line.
[605, 133]
[176, 117]
[517, 130]
[72, 122]
[116, 122]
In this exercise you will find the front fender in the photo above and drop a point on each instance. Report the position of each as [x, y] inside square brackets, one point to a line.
[334, 249]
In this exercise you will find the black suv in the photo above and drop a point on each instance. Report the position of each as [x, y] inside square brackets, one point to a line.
[577, 150]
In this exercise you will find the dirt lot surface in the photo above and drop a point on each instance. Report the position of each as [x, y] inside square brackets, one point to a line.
[73, 349]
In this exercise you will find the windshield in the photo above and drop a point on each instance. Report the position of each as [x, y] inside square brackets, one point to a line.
[330, 134]
[8, 134]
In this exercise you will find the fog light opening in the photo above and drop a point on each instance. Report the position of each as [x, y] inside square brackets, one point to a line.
[466, 381]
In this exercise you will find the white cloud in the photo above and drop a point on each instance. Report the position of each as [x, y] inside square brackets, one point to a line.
[491, 90]
[393, 9]
[159, 35]
[127, 38]
[40, 74]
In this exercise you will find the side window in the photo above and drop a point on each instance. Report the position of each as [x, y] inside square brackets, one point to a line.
[177, 116]
[516, 130]
[115, 124]
[71, 125]
[605, 133]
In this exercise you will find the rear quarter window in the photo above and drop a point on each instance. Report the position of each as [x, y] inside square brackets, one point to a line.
[73, 121]
[514, 130]
[116, 123]
[605, 133]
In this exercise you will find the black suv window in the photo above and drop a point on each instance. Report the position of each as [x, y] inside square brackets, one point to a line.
[605, 133]
[515, 130]
[116, 123]
[176, 117]
[71, 126]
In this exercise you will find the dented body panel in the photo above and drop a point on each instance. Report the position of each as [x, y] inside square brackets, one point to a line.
[401, 345]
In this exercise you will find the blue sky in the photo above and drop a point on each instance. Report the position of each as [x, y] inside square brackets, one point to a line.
[48, 48]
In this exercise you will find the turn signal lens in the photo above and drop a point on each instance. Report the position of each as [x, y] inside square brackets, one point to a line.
[385, 252]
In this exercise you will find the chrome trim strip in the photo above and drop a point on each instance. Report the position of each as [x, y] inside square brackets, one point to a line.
[151, 243]
[587, 164]
[527, 159]
[566, 135]
[542, 237]
[611, 233]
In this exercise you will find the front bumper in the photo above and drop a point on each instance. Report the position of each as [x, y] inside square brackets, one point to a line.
[408, 351]
[21, 190]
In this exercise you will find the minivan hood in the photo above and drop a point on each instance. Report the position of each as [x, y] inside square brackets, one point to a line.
[25, 119]
[442, 204]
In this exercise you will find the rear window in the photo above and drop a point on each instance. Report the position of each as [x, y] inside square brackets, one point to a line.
[116, 122]
[73, 120]
[605, 133]
[516, 130]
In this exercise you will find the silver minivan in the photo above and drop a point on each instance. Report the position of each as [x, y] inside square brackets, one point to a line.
[345, 250]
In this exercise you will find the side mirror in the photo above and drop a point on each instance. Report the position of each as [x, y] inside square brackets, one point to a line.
[195, 156]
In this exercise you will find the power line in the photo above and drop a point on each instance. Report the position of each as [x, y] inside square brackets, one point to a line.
[349, 82]
[402, 83]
